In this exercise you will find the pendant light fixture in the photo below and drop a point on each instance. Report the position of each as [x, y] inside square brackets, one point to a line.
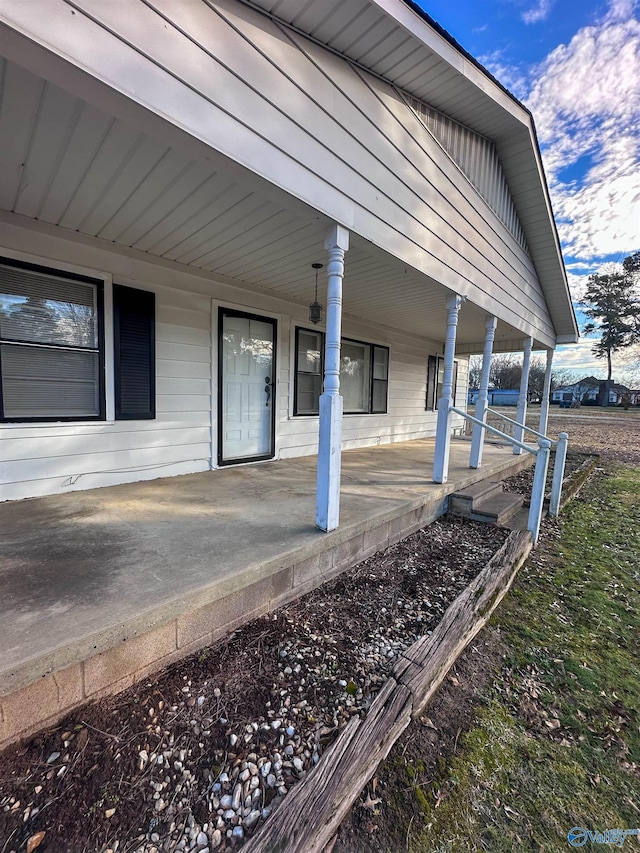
[315, 309]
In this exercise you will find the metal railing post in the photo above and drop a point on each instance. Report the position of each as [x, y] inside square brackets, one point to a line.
[558, 473]
[537, 492]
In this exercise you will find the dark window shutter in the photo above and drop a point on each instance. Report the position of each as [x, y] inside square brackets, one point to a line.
[134, 331]
[432, 381]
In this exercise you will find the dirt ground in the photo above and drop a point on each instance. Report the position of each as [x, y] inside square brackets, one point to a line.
[156, 768]
[614, 437]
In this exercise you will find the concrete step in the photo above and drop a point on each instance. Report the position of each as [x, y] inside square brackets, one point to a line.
[520, 520]
[485, 501]
[497, 508]
[463, 502]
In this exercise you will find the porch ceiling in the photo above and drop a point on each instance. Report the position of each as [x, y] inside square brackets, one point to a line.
[66, 163]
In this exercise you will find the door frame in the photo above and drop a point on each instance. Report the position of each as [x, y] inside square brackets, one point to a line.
[220, 309]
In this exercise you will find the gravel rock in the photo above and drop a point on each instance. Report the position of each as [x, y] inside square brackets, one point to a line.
[316, 663]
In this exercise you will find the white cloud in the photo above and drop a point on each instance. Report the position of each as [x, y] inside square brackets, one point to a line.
[586, 103]
[509, 76]
[621, 10]
[577, 285]
[537, 13]
[579, 358]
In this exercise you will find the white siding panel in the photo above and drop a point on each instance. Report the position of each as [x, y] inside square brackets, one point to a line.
[184, 387]
[97, 446]
[58, 457]
[189, 335]
[182, 352]
[122, 461]
[182, 369]
[185, 402]
[43, 486]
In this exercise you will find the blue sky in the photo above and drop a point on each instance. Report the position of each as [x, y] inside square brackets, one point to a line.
[576, 65]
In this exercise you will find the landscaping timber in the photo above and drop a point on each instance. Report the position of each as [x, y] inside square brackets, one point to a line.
[310, 815]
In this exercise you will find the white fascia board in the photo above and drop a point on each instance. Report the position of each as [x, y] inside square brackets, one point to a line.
[567, 339]
[414, 24]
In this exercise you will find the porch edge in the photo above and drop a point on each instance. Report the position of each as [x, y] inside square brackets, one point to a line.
[42, 691]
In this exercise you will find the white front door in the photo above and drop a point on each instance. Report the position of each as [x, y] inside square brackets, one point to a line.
[247, 387]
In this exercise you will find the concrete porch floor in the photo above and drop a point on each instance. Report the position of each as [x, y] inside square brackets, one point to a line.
[102, 587]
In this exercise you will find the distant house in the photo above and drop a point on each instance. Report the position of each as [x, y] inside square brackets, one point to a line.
[497, 396]
[587, 390]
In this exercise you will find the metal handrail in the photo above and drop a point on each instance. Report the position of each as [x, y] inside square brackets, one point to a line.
[495, 431]
[542, 463]
[518, 424]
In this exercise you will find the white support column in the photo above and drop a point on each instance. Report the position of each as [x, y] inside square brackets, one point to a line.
[443, 428]
[536, 509]
[330, 437]
[546, 393]
[518, 432]
[477, 438]
[558, 473]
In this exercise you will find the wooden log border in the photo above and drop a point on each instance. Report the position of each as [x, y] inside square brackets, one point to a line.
[574, 482]
[310, 815]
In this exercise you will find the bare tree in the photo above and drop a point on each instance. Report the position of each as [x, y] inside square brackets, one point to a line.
[506, 372]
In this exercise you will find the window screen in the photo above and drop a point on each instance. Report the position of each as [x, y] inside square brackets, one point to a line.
[309, 361]
[51, 363]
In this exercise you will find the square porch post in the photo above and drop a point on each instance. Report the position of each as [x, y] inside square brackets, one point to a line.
[477, 438]
[330, 421]
[518, 432]
[546, 393]
[443, 425]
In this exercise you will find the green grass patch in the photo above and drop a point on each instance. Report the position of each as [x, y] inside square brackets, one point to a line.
[557, 743]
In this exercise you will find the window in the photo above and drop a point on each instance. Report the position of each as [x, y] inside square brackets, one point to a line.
[52, 350]
[51, 344]
[309, 369]
[364, 374]
[435, 381]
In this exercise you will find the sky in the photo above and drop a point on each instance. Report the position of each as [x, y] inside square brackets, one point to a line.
[576, 65]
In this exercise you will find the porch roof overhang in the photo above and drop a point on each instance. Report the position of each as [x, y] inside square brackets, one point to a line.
[401, 43]
[242, 228]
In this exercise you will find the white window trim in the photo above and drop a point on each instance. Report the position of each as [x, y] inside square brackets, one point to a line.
[109, 371]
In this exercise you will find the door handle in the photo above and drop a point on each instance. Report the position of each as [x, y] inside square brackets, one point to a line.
[267, 389]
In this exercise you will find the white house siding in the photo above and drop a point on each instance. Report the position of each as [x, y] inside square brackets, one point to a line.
[55, 458]
[307, 121]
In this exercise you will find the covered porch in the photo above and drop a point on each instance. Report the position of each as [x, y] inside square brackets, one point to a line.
[105, 586]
